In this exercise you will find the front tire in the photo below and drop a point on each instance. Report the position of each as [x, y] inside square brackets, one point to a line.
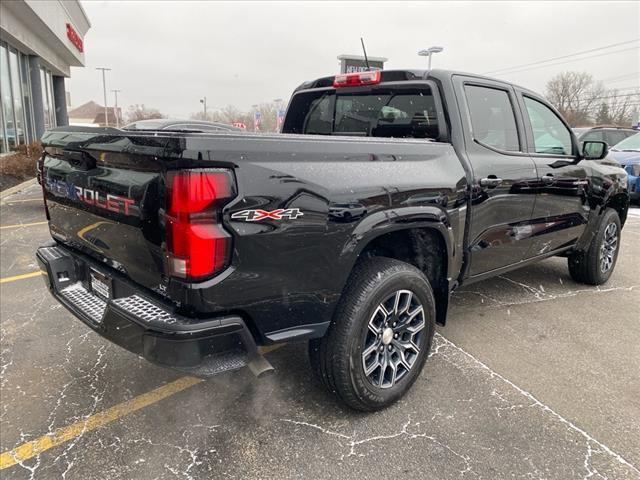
[595, 265]
[380, 336]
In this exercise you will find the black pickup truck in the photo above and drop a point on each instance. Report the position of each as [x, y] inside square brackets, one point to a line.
[384, 192]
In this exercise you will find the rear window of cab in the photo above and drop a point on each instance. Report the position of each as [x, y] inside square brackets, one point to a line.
[379, 112]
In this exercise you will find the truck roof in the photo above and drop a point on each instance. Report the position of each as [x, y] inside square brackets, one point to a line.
[407, 75]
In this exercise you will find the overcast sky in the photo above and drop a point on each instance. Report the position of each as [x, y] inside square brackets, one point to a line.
[168, 55]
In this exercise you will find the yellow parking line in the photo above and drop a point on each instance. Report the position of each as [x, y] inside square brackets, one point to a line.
[20, 200]
[64, 434]
[22, 277]
[18, 225]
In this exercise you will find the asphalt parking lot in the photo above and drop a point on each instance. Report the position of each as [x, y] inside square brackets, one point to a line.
[534, 376]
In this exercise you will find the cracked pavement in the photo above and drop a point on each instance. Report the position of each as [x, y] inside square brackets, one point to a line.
[534, 376]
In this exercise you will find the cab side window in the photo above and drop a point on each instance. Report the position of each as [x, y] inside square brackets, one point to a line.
[550, 135]
[492, 119]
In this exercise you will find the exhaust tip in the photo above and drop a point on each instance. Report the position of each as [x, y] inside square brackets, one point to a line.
[260, 366]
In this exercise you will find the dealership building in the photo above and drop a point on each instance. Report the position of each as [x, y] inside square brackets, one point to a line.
[39, 43]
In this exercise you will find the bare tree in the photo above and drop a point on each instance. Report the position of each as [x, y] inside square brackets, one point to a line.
[232, 114]
[603, 117]
[622, 106]
[582, 101]
[574, 94]
[140, 112]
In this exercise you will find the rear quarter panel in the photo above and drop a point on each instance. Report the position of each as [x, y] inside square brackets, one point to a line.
[290, 273]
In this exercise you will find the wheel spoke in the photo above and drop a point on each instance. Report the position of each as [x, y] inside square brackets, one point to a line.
[376, 329]
[396, 303]
[406, 345]
[372, 367]
[369, 350]
[384, 364]
[373, 329]
[404, 307]
[404, 361]
[413, 327]
[394, 371]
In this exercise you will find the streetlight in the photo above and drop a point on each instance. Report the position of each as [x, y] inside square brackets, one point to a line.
[104, 88]
[430, 51]
[203, 101]
[116, 108]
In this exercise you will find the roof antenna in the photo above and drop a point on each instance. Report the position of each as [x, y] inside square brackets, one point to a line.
[366, 60]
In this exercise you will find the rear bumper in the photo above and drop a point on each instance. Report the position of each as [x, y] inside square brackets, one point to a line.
[143, 324]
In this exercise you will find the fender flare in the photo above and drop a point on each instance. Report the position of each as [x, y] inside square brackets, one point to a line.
[395, 219]
[405, 218]
[617, 188]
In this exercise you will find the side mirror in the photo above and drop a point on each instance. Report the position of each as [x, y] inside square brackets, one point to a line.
[594, 150]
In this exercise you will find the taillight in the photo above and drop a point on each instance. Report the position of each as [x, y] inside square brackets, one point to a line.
[357, 79]
[198, 246]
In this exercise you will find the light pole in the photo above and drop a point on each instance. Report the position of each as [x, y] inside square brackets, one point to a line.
[203, 101]
[104, 89]
[428, 52]
[116, 108]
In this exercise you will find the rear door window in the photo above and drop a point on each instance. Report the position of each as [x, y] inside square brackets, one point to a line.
[493, 120]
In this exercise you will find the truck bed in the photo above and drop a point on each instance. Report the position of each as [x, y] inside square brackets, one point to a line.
[106, 197]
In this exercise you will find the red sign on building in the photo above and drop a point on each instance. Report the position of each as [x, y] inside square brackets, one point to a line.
[75, 38]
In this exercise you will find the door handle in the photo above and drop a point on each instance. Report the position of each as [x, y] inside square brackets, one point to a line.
[548, 179]
[490, 182]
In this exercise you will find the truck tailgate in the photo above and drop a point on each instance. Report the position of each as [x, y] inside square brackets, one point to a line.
[108, 203]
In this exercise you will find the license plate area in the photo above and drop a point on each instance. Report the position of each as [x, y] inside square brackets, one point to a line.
[100, 284]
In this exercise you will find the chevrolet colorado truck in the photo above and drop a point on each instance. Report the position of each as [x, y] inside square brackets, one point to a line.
[384, 192]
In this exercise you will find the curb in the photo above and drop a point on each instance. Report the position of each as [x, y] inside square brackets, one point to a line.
[10, 191]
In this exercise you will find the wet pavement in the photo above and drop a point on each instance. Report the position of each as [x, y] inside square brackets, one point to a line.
[534, 376]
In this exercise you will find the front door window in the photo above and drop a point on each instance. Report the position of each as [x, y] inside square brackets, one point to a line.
[550, 135]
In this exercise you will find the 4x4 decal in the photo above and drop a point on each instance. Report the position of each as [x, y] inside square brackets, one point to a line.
[279, 214]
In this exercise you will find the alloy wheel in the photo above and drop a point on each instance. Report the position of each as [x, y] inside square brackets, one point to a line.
[393, 337]
[609, 247]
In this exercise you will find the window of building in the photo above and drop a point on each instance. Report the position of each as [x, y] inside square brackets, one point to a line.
[16, 107]
[492, 119]
[47, 99]
[52, 103]
[19, 131]
[8, 124]
[3, 148]
[26, 96]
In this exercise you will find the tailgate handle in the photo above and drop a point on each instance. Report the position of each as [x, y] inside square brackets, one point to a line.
[80, 160]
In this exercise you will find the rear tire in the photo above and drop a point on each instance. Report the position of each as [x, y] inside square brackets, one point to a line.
[380, 336]
[595, 265]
